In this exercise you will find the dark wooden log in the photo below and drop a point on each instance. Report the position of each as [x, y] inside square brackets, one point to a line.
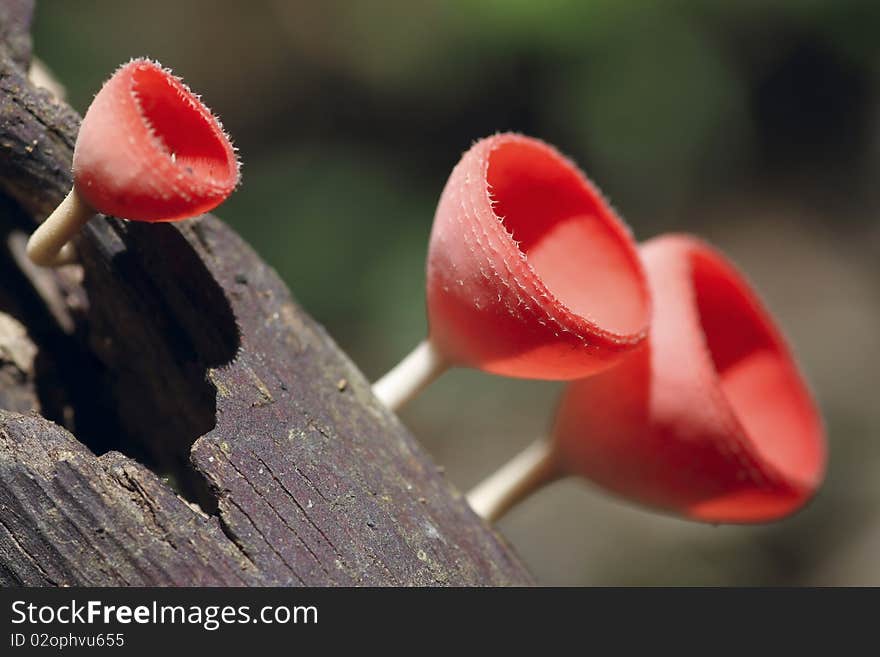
[15, 29]
[67, 517]
[270, 462]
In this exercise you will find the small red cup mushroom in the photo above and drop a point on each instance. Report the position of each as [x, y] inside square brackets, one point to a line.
[148, 150]
[530, 273]
[710, 419]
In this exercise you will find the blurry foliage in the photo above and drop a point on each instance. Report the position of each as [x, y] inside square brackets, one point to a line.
[752, 122]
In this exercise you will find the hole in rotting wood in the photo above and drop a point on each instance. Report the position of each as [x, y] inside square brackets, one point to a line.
[67, 377]
[158, 321]
[131, 376]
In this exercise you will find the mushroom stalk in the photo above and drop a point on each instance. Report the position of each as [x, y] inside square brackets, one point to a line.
[50, 245]
[41, 76]
[410, 376]
[528, 471]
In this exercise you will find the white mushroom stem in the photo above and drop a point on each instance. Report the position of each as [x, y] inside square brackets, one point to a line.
[530, 470]
[410, 376]
[40, 75]
[50, 245]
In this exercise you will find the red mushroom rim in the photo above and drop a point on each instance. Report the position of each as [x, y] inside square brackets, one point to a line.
[183, 127]
[576, 249]
[755, 372]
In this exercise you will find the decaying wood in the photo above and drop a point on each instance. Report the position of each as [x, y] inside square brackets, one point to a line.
[15, 29]
[177, 346]
[68, 517]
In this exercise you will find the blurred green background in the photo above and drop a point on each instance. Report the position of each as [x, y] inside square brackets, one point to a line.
[756, 124]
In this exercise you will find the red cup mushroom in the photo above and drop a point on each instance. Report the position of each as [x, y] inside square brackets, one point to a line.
[710, 419]
[530, 273]
[148, 150]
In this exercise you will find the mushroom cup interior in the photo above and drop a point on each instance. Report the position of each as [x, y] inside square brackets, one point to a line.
[569, 235]
[757, 375]
[184, 126]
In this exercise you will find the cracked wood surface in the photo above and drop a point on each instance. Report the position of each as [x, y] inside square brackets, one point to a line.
[67, 517]
[177, 345]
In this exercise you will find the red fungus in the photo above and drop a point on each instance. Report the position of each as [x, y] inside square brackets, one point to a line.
[710, 419]
[530, 272]
[148, 150]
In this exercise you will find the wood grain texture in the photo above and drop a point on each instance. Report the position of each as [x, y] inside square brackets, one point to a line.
[177, 345]
[69, 518]
[15, 29]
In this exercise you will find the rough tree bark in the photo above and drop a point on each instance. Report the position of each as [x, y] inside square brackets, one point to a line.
[266, 459]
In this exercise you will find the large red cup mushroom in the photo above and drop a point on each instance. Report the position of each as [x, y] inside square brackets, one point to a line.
[710, 419]
[530, 273]
[148, 150]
